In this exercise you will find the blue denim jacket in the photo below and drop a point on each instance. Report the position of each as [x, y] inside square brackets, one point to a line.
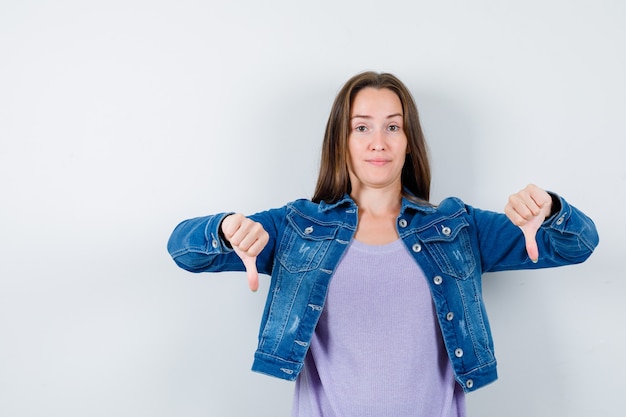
[453, 243]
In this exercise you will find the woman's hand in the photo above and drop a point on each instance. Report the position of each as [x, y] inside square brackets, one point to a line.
[528, 209]
[248, 238]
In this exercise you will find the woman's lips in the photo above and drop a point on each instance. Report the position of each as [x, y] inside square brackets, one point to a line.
[378, 161]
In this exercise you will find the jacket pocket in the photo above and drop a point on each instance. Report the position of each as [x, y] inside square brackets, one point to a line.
[448, 242]
[304, 243]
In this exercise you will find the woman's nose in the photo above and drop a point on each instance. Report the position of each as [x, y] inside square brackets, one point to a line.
[378, 141]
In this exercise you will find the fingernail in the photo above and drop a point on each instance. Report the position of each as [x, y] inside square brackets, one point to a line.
[535, 260]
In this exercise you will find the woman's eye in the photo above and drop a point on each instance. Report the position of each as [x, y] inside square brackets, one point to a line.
[394, 128]
[360, 129]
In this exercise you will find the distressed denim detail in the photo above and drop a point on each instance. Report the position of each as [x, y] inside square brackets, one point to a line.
[304, 243]
[452, 251]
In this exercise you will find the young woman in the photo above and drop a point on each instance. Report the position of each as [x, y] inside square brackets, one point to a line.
[375, 303]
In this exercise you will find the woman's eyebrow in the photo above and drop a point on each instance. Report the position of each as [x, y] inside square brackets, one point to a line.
[364, 116]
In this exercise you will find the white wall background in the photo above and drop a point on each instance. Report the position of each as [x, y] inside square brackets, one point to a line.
[120, 118]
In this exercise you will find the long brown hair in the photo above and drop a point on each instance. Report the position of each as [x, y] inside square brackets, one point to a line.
[333, 181]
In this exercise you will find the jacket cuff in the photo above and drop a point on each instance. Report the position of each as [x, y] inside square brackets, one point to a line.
[216, 242]
[558, 220]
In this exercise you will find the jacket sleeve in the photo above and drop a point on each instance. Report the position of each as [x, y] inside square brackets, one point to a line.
[567, 237]
[196, 246]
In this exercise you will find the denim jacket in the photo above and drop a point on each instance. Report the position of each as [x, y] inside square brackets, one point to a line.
[453, 243]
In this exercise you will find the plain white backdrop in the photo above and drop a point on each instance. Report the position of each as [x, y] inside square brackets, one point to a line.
[118, 119]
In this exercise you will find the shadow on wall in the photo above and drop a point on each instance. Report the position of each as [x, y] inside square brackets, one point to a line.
[450, 135]
[302, 112]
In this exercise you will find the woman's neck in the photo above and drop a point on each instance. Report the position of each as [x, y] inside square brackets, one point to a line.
[378, 212]
[378, 202]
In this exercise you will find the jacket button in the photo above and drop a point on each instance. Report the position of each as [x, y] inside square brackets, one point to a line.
[402, 223]
[560, 220]
[308, 230]
[469, 383]
[417, 247]
[214, 244]
[449, 316]
[438, 280]
[446, 230]
[458, 352]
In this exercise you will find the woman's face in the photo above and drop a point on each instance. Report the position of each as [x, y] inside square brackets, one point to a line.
[377, 144]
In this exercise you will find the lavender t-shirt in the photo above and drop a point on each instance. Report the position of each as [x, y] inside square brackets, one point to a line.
[377, 349]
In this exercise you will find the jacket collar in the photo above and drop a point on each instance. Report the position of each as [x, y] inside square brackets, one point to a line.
[422, 206]
[345, 200]
[348, 201]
